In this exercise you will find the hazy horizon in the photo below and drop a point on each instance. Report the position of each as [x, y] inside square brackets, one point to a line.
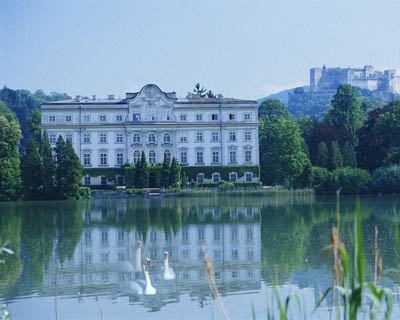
[248, 49]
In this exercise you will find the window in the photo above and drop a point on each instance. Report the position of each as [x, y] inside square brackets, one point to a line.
[200, 234]
[201, 255]
[87, 161]
[183, 138]
[217, 255]
[136, 156]
[217, 233]
[86, 118]
[233, 176]
[136, 117]
[235, 254]
[199, 137]
[167, 138]
[215, 157]
[52, 138]
[152, 138]
[103, 138]
[247, 156]
[215, 177]
[183, 117]
[86, 138]
[87, 181]
[119, 138]
[215, 136]
[249, 235]
[214, 117]
[52, 118]
[249, 176]
[231, 117]
[152, 157]
[183, 157]
[199, 117]
[121, 236]
[120, 159]
[247, 116]
[68, 136]
[120, 180]
[104, 237]
[185, 234]
[232, 136]
[118, 118]
[105, 257]
[200, 177]
[199, 157]
[247, 135]
[232, 156]
[167, 155]
[103, 159]
[68, 118]
[136, 137]
[88, 238]
[102, 118]
[234, 233]
[103, 180]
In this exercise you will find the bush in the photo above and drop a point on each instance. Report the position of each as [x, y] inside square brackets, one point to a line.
[386, 180]
[224, 185]
[322, 180]
[352, 180]
[84, 193]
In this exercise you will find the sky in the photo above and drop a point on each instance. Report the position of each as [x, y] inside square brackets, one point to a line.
[243, 49]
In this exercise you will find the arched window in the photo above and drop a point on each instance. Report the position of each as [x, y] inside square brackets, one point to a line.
[152, 157]
[136, 156]
[152, 138]
[167, 138]
[167, 155]
[136, 137]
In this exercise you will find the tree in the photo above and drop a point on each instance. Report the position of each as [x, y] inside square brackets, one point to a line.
[48, 168]
[273, 109]
[284, 159]
[34, 122]
[141, 173]
[336, 159]
[345, 112]
[349, 156]
[174, 173]
[32, 172]
[201, 91]
[165, 173]
[210, 94]
[60, 168]
[10, 135]
[322, 159]
[73, 172]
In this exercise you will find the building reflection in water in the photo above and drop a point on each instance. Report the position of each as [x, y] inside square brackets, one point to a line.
[231, 237]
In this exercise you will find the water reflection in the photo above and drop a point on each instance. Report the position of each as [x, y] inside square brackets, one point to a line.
[88, 250]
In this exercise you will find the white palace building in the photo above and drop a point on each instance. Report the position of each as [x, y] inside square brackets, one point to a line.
[199, 132]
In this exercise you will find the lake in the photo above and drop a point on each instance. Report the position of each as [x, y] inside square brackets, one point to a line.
[76, 259]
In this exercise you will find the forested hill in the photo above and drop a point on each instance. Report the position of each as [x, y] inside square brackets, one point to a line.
[302, 103]
[23, 102]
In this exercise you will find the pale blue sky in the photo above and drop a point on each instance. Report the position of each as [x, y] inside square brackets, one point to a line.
[244, 49]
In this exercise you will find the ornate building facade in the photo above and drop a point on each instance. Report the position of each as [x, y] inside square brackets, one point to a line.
[198, 132]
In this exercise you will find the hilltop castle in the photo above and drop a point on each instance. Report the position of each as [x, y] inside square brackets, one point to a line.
[329, 79]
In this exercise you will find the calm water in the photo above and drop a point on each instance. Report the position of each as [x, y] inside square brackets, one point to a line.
[72, 258]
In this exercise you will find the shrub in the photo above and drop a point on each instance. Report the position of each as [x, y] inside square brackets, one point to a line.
[84, 193]
[387, 179]
[224, 185]
[352, 180]
[322, 180]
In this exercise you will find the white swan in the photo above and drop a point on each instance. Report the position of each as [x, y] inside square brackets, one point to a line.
[168, 272]
[138, 256]
[140, 287]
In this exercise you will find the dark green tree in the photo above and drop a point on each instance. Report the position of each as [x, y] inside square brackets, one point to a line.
[273, 109]
[32, 172]
[34, 122]
[201, 91]
[336, 159]
[165, 173]
[345, 112]
[349, 156]
[210, 94]
[322, 159]
[73, 172]
[141, 173]
[61, 169]
[10, 136]
[48, 168]
[175, 173]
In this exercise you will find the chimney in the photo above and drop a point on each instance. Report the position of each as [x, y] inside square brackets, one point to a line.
[110, 97]
[94, 97]
[78, 98]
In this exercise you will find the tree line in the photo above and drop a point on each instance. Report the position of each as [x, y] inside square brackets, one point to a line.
[354, 147]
